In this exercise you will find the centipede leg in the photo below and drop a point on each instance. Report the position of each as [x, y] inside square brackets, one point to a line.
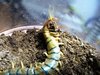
[12, 64]
[46, 53]
[22, 65]
[57, 39]
[61, 44]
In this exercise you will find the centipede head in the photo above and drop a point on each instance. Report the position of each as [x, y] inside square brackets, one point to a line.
[51, 24]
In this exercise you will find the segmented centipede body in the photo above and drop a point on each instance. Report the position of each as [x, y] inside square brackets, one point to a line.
[51, 63]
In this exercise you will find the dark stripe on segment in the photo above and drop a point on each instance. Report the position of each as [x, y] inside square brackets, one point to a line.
[53, 53]
[27, 71]
[49, 66]
[49, 41]
[46, 73]
[53, 48]
[46, 38]
[17, 71]
[34, 72]
[52, 68]
[9, 72]
[53, 59]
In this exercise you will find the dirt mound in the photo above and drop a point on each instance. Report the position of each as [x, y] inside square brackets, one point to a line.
[79, 57]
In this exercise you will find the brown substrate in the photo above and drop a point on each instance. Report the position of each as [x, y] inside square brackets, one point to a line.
[79, 57]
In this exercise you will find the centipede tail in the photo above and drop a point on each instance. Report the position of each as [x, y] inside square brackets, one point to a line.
[49, 66]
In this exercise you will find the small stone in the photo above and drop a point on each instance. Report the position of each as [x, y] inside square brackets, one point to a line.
[72, 50]
[91, 59]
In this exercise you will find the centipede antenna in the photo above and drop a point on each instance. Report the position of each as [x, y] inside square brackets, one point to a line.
[51, 11]
[22, 65]
[12, 65]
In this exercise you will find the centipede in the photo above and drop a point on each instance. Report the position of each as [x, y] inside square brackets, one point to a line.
[51, 35]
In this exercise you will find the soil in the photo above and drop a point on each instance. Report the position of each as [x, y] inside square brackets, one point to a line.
[79, 57]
